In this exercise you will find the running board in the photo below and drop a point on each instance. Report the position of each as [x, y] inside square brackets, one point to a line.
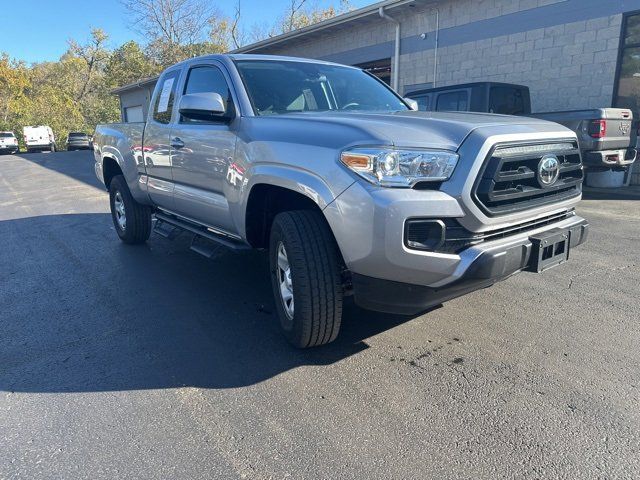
[198, 231]
[166, 230]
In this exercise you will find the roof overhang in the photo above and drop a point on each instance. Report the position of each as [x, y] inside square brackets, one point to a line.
[366, 14]
[132, 86]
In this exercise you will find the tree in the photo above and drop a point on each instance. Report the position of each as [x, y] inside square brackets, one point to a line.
[178, 29]
[128, 64]
[176, 22]
[13, 83]
[93, 56]
[302, 13]
[228, 32]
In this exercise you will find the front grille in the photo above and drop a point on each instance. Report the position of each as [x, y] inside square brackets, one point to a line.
[509, 180]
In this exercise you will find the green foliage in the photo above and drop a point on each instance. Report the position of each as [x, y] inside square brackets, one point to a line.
[73, 94]
[128, 64]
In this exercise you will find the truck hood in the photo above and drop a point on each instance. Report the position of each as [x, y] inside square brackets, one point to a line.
[445, 130]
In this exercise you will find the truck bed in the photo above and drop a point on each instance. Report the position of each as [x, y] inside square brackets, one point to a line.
[617, 121]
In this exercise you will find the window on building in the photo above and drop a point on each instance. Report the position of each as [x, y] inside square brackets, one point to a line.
[628, 81]
[457, 101]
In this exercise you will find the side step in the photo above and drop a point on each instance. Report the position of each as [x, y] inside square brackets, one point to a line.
[170, 226]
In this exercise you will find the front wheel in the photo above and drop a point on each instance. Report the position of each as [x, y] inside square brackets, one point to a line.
[306, 271]
[131, 219]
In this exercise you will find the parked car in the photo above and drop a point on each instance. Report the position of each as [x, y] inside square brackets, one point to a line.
[39, 138]
[78, 141]
[349, 190]
[8, 143]
[605, 135]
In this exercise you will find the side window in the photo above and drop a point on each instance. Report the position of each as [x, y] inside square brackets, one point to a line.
[424, 102]
[506, 100]
[207, 79]
[453, 101]
[163, 104]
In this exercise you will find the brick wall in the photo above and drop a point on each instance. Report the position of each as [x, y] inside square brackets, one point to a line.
[568, 66]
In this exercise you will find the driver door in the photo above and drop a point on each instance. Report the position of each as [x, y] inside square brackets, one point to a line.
[202, 153]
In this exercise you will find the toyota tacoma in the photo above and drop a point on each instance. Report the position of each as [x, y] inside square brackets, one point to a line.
[349, 189]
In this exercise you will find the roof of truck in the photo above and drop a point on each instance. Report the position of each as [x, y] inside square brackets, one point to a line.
[233, 56]
[464, 85]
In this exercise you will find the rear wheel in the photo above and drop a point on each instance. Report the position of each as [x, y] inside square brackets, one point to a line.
[131, 219]
[306, 278]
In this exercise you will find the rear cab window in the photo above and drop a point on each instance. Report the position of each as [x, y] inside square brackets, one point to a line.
[507, 101]
[456, 101]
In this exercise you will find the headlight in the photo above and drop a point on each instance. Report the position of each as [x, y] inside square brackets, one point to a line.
[389, 167]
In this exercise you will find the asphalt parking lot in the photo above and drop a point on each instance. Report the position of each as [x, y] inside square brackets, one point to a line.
[153, 362]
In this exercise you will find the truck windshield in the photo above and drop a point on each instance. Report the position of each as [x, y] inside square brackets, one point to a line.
[279, 87]
[6, 135]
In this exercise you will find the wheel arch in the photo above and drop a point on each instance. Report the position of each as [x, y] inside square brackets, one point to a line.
[110, 168]
[264, 202]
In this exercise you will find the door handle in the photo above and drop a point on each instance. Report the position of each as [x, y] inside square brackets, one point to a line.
[176, 142]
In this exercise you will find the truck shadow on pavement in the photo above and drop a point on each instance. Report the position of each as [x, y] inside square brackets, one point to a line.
[84, 312]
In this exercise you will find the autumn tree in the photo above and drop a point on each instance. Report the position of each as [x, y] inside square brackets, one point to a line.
[176, 29]
[127, 64]
[14, 81]
[302, 13]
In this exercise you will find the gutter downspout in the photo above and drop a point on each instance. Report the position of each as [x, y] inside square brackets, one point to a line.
[396, 55]
[435, 50]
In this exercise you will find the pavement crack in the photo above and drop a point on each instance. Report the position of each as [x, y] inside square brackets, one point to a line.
[594, 272]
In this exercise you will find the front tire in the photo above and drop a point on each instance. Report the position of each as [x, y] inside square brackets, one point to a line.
[306, 268]
[131, 219]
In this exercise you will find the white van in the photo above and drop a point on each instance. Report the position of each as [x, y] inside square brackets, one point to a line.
[39, 138]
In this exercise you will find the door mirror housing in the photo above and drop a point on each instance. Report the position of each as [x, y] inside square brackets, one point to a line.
[206, 106]
[411, 103]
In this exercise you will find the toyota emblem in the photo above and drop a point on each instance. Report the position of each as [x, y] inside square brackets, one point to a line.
[548, 170]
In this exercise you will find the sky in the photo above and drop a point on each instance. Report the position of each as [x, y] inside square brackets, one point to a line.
[39, 29]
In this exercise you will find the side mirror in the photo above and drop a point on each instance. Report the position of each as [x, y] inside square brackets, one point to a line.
[413, 105]
[202, 106]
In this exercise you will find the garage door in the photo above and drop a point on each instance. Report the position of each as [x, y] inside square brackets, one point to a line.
[133, 114]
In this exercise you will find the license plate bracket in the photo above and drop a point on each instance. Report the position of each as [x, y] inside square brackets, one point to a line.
[549, 249]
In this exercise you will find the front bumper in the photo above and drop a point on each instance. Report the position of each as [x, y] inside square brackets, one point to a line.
[369, 226]
[609, 158]
[490, 266]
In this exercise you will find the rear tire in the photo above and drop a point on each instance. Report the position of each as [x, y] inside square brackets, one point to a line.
[131, 219]
[306, 268]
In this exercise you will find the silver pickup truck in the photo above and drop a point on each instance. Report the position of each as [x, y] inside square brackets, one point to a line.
[349, 190]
